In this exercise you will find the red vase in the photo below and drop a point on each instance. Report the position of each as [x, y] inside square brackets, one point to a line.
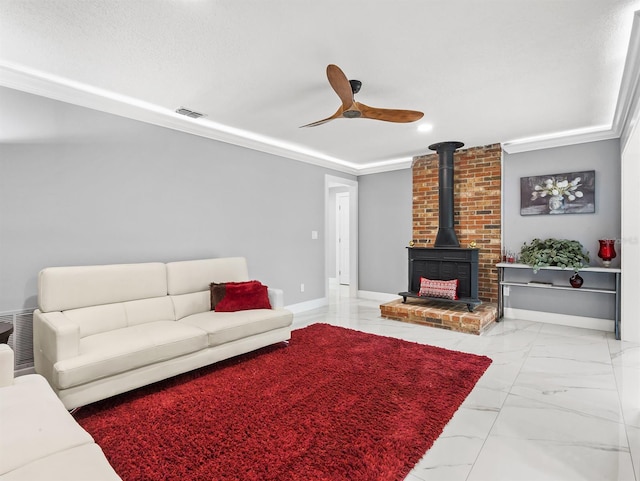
[576, 281]
[607, 251]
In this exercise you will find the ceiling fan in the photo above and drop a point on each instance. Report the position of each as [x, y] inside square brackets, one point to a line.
[350, 109]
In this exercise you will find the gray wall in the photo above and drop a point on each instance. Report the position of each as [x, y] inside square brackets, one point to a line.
[385, 229]
[604, 158]
[78, 187]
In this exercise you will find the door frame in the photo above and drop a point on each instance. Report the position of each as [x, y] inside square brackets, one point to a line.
[352, 185]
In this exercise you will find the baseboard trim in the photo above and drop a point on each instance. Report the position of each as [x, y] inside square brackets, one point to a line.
[378, 296]
[599, 324]
[24, 371]
[308, 305]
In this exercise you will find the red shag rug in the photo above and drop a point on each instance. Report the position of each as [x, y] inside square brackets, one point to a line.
[336, 404]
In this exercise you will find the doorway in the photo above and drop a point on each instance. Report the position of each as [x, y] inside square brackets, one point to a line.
[341, 234]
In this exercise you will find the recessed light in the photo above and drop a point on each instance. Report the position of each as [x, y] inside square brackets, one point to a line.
[425, 128]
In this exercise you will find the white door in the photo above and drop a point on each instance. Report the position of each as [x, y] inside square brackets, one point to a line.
[342, 203]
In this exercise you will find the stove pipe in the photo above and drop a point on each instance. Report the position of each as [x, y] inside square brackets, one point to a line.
[446, 236]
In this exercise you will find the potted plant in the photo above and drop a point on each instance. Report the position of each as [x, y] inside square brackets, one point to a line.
[554, 252]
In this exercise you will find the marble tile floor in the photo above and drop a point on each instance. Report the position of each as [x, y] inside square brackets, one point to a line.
[557, 403]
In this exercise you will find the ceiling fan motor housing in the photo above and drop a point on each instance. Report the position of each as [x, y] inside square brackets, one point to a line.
[352, 114]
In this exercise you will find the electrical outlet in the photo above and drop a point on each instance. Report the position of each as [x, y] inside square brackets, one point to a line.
[301, 287]
[314, 234]
[505, 291]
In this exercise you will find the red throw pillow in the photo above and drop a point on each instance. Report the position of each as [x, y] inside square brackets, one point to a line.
[242, 296]
[436, 288]
[216, 292]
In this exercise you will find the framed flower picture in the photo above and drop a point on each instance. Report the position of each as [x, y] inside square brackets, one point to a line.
[568, 193]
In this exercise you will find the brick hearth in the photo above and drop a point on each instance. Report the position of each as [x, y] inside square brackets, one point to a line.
[454, 317]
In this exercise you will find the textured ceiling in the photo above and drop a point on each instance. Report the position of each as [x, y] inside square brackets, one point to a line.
[481, 71]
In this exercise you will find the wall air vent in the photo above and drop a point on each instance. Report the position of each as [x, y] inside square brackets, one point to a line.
[21, 340]
[189, 113]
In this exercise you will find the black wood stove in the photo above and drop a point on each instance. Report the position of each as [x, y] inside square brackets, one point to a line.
[446, 260]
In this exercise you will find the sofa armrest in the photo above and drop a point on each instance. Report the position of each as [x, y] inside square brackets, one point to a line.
[56, 336]
[276, 298]
[6, 365]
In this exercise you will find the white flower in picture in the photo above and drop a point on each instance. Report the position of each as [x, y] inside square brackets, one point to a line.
[554, 186]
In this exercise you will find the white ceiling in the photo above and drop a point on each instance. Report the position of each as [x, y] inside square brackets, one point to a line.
[481, 71]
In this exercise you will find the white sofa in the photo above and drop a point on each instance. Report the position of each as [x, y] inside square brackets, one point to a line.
[39, 439]
[104, 330]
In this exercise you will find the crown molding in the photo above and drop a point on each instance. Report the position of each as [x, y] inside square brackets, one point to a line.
[560, 140]
[26, 80]
[628, 107]
[379, 167]
[21, 78]
[38, 83]
[625, 116]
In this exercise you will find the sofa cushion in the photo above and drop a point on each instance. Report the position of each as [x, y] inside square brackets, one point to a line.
[96, 319]
[82, 463]
[149, 310]
[36, 419]
[242, 296]
[62, 288]
[187, 304]
[121, 350]
[195, 276]
[230, 326]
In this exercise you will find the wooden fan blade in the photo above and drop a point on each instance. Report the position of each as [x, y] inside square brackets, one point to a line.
[337, 115]
[340, 84]
[389, 115]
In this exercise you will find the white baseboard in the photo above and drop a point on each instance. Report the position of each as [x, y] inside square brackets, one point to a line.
[378, 296]
[308, 305]
[560, 319]
[24, 371]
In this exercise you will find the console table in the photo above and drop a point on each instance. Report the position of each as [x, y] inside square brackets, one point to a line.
[503, 266]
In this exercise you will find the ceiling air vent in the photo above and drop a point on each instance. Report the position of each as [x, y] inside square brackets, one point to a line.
[189, 113]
